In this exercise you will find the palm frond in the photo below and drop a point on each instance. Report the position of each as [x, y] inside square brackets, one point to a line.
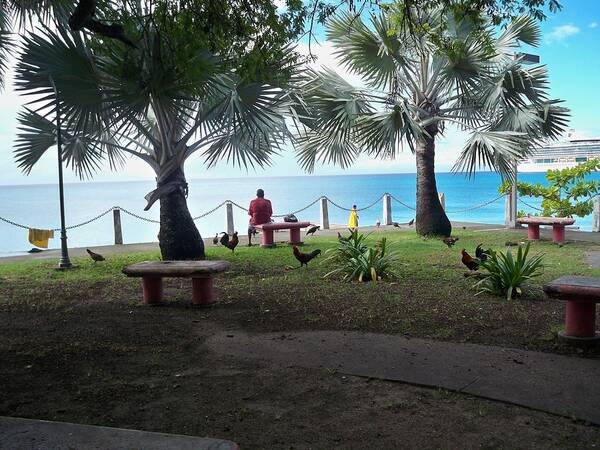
[492, 149]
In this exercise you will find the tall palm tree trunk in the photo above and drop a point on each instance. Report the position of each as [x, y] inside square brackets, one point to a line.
[431, 218]
[179, 238]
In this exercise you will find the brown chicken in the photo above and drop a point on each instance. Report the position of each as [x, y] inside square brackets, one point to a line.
[95, 256]
[468, 261]
[233, 242]
[449, 241]
[304, 258]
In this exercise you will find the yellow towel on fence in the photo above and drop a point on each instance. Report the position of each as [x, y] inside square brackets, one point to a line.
[39, 238]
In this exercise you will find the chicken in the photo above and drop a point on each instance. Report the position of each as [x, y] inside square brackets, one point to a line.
[411, 223]
[340, 237]
[468, 261]
[95, 256]
[378, 223]
[449, 241]
[233, 242]
[216, 239]
[304, 258]
[396, 224]
[224, 239]
[312, 230]
[481, 254]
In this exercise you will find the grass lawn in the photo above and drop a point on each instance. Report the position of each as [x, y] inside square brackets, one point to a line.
[78, 346]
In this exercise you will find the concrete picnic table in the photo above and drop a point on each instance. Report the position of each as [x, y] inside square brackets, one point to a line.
[581, 294]
[201, 273]
[558, 226]
[294, 227]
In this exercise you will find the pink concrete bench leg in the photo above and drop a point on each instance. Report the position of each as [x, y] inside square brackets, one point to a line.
[267, 238]
[533, 232]
[152, 290]
[203, 293]
[558, 234]
[580, 320]
[295, 238]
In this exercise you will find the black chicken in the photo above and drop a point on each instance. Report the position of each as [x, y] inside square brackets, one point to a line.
[224, 239]
[482, 254]
[312, 229]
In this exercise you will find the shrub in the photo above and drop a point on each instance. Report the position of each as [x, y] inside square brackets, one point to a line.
[506, 274]
[568, 192]
[357, 261]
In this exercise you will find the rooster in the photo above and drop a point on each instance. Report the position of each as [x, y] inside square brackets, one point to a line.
[312, 230]
[449, 241]
[224, 239]
[411, 223]
[396, 224]
[481, 254]
[468, 261]
[95, 256]
[233, 242]
[216, 239]
[304, 258]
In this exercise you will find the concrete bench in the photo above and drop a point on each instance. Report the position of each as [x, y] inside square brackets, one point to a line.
[294, 227]
[581, 294]
[201, 273]
[558, 226]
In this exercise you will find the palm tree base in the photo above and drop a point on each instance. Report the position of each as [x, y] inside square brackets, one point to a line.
[179, 239]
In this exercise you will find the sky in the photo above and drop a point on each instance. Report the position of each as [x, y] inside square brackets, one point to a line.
[570, 47]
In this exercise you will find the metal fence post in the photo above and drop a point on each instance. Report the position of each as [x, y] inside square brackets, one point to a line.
[229, 218]
[442, 198]
[387, 209]
[596, 216]
[324, 214]
[117, 226]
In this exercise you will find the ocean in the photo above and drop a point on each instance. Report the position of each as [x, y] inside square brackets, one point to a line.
[37, 205]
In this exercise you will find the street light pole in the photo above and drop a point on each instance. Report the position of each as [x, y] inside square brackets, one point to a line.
[64, 262]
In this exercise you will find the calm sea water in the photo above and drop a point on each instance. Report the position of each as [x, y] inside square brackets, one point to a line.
[37, 205]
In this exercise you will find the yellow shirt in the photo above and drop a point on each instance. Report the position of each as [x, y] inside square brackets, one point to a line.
[353, 219]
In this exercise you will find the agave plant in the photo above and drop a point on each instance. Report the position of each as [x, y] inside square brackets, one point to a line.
[445, 69]
[357, 261]
[506, 274]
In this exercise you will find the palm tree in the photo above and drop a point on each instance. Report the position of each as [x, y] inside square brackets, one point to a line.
[441, 70]
[162, 101]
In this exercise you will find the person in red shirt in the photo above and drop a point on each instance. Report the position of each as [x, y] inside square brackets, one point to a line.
[260, 212]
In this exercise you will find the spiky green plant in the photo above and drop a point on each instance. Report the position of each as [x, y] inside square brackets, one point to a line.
[357, 261]
[507, 274]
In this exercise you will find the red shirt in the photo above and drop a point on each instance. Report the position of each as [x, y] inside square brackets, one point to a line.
[260, 211]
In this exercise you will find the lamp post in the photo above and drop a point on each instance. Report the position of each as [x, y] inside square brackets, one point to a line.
[526, 58]
[64, 261]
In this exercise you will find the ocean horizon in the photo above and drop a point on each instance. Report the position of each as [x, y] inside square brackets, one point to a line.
[36, 205]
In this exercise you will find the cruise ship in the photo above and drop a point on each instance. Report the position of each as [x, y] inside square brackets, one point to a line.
[561, 154]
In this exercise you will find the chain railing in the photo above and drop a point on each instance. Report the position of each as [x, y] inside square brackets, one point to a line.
[402, 203]
[473, 208]
[357, 209]
[237, 205]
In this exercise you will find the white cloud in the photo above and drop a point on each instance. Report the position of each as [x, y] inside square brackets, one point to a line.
[562, 32]
[592, 24]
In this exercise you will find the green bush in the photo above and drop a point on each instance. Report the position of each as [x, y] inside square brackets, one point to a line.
[568, 192]
[506, 275]
[357, 261]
